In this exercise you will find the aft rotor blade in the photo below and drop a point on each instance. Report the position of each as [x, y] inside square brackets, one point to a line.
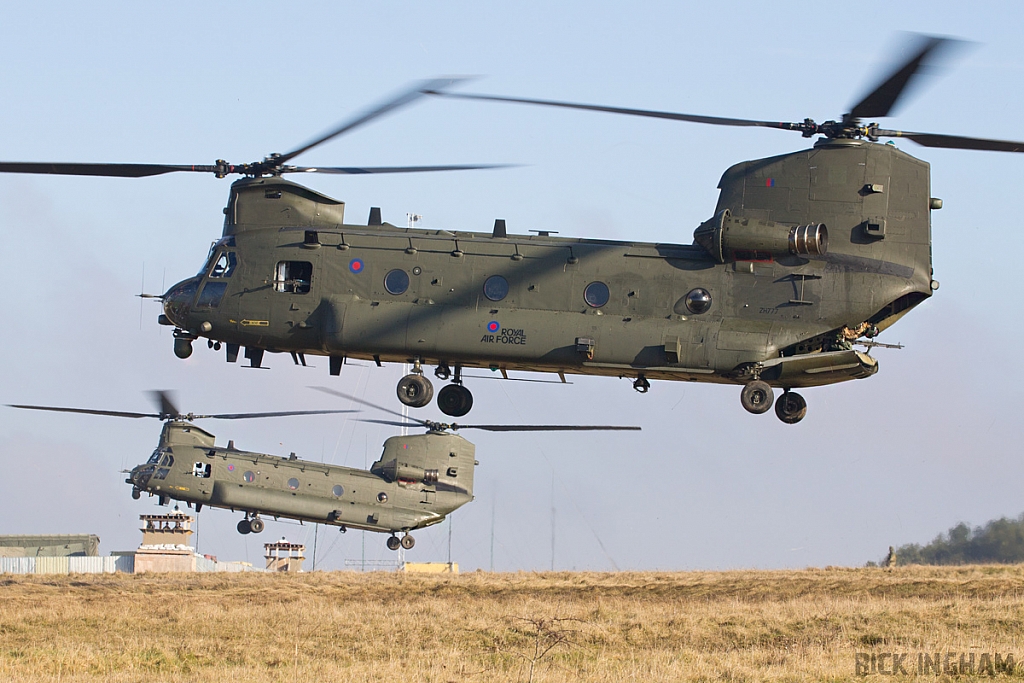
[111, 170]
[674, 116]
[164, 400]
[364, 170]
[955, 141]
[405, 97]
[339, 394]
[84, 411]
[880, 101]
[284, 413]
[393, 423]
[548, 428]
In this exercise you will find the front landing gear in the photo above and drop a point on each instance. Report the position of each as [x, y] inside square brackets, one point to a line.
[757, 397]
[454, 400]
[791, 407]
[415, 390]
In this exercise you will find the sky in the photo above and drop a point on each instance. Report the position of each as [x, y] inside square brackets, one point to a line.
[929, 441]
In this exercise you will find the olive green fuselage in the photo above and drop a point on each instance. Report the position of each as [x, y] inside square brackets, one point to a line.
[290, 275]
[417, 481]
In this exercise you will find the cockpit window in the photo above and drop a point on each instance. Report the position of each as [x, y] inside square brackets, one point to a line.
[225, 265]
[211, 295]
[155, 458]
[168, 460]
[293, 276]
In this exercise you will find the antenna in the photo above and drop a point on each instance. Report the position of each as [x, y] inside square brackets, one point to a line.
[412, 219]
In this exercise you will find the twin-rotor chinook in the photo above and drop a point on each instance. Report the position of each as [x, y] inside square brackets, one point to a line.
[417, 481]
[806, 255]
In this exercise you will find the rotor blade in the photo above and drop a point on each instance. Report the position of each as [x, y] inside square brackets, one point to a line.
[332, 392]
[284, 413]
[163, 399]
[362, 170]
[955, 141]
[84, 411]
[693, 118]
[547, 428]
[880, 101]
[405, 97]
[113, 170]
[392, 423]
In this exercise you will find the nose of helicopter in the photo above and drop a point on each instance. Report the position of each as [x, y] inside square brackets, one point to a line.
[178, 301]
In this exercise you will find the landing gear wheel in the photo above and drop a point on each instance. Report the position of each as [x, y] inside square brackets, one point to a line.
[257, 525]
[791, 407]
[415, 391]
[757, 397]
[455, 400]
[393, 543]
[408, 542]
[243, 527]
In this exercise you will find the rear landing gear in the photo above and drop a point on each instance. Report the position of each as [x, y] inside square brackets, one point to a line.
[393, 543]
[791, 407]
[415, 390]
[243, 527]
[251, 526]
[757, 397]
[408, 542]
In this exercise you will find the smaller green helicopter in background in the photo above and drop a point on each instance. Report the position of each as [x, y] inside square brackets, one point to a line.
[417, 481]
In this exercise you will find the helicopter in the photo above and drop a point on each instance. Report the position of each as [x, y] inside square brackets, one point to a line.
[417, 481]
[806, 256]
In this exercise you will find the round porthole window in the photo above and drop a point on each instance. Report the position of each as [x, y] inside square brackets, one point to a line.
[496, 288]
[698, 301]
[396, 281]
[382, 497]
[338, 490]
[249, 477]
[596, 294]
[293, 483]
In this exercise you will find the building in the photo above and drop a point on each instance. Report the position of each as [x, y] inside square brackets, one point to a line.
[284, 556]
[52, 545]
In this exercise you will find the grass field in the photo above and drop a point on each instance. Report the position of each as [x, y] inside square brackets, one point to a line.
[691, 626]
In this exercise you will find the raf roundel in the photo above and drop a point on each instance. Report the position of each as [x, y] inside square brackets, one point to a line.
[356, 265]
[493, 326]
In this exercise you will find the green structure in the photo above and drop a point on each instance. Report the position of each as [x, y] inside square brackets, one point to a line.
[56, 545]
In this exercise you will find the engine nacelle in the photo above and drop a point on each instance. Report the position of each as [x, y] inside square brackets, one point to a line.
[394, 471]
[747, 239]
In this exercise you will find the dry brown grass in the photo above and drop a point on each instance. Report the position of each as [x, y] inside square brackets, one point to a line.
[692, 626]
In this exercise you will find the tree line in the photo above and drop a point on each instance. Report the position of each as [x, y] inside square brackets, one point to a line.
[1000, 541]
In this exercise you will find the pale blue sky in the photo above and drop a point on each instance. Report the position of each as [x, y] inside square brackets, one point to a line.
[929, 441]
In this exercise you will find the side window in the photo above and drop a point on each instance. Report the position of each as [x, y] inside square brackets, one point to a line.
[293, 276]
[225, 265]
[201, 470]
[211, 295]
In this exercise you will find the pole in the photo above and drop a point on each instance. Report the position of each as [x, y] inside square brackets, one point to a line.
[552, 520]
[493, 507]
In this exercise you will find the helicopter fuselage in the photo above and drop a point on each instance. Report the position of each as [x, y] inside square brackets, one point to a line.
[748, 300]
[418, 480]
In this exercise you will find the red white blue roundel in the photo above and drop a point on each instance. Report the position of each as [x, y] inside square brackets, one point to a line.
[356, 265]
[493, 326]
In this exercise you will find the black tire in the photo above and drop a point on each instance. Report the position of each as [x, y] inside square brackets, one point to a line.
[257, 525]
[791, 407]
[415, 391]
[393, 543]
[757, 397]
[408, 542]
[454, 400]
[243, 527]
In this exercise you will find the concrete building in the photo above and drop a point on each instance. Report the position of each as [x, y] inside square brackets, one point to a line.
[52, 545]
[284, 556]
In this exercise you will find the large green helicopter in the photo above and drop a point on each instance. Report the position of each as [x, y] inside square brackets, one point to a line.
[806, 255]
[416, 482]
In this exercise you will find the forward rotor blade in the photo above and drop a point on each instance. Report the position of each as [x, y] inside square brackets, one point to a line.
[164, 400]
[548, 428]
[362, 170]
[956, 141]
[84, 411]
[880, 101]
[392, 423]
[674, 116]
[283, 413]
[332, 392]
[406, 97]
[110, 170]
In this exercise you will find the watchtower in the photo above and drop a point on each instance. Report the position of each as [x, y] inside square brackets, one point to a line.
[165, 544]
[283, 556]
